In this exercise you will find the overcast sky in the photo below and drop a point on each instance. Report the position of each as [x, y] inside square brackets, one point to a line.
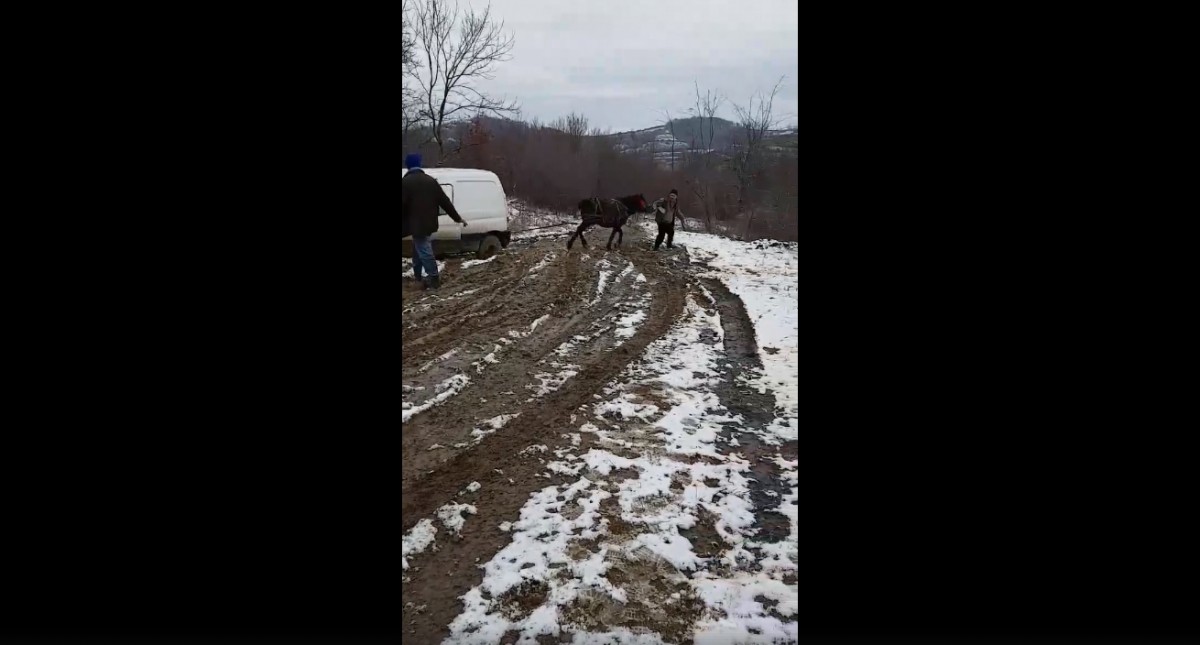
[622, 62]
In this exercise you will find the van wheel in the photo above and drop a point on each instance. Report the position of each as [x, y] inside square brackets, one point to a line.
[488, 247]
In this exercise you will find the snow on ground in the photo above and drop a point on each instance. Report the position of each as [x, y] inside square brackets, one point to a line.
[445, 390]
[548, 382]
[417, 540]
[555, 231]
[542, 264]
[655, 525]
[765, 275]
[627, 325]
[627, 315]
[602, 281]
[491, 425]
[470, 263]
[631, 314]
[440, 359]
[423, 535]
[523, 218]
[453, 384]
[452, 516]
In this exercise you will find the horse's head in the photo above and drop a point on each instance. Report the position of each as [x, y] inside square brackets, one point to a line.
[641, 203]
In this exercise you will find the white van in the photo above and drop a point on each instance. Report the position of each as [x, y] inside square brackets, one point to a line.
[479, 199]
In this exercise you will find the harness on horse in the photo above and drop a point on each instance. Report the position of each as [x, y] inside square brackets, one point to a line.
[610, 216]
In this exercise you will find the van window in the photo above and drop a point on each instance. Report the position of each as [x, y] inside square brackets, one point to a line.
[481, 197]
[449, 188]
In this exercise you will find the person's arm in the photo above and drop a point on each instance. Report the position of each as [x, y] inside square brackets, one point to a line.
[447, 205]
[682, 220]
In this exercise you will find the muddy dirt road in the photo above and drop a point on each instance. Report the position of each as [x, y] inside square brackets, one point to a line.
[502, 362]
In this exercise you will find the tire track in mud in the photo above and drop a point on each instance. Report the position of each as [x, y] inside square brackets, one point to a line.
[490, 304]
[757, 410]
[540, 421]
[520, 354]
[440, 575]
[433, 586]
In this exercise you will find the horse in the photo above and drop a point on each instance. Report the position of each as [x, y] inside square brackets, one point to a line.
[607, 213]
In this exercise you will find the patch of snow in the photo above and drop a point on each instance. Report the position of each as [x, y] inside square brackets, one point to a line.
[624, 272]
[446, 389]
[681, 366]
[440, 359]
[600, 284]
[416, 540]
[542, 264]
[491, 425]
[551, 382]
[765, 276]
[671, 490]
[626, 325]
[470, 263]
[452, 517]
[540, 538]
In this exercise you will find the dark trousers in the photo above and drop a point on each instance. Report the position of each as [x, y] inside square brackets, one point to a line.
[667, 230]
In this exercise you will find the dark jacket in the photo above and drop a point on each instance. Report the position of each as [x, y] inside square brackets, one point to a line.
[420, 197]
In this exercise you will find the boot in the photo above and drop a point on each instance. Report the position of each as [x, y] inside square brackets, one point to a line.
[432, 282]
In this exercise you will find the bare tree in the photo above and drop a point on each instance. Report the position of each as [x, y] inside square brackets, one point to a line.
[408, 62]
[459, 49]
[407, 42]
[756, 120]
[706, 108]
[669, 123]
[575, 126]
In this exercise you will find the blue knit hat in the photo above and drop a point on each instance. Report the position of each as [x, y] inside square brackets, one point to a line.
[413, 160]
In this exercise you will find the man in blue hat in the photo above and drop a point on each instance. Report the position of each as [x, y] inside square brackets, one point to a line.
[420, 197]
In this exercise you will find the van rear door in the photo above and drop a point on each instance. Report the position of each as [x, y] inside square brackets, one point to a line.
[448, 229]
[482, 204]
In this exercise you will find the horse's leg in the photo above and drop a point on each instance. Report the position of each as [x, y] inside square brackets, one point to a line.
[610, 238]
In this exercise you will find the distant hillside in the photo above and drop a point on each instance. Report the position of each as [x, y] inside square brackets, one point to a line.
[682, 135]
[659, 141]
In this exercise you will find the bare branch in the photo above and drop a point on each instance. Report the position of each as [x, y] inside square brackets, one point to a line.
[706, 108]
[460, 49]
[756, 121]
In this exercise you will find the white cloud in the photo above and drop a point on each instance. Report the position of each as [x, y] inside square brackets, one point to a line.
[622, 62]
